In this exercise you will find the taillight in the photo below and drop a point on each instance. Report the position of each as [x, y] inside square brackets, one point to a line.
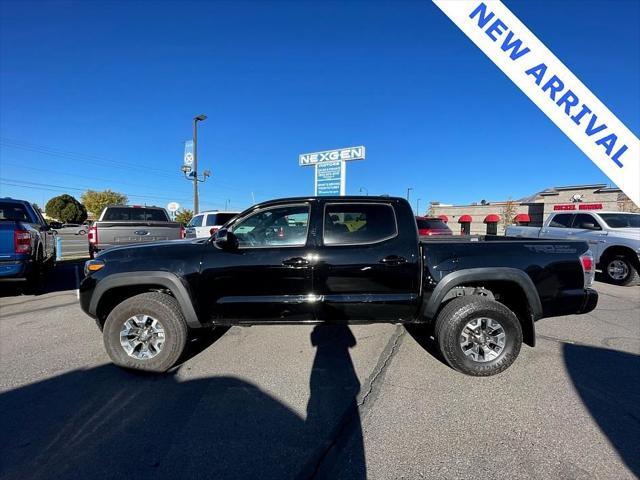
[588, 267]
[22, 241]
[213, 230]
[93, 235]
[183, 232]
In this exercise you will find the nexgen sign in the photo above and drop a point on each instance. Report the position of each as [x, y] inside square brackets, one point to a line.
[349, 153]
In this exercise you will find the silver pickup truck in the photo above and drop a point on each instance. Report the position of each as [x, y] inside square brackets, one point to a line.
[129, 224]
[614, 239]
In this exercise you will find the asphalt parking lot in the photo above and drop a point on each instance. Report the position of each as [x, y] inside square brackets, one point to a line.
[316, 402]
[73, 246]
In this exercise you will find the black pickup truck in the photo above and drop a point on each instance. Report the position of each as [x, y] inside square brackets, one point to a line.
[341, 260]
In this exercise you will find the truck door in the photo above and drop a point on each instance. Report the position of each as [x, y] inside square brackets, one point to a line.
[268, 278]
[587, 228]
[366, 269]
[558, 226]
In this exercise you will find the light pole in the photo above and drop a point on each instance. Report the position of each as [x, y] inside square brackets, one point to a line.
[418, 206]
[192, 174]
[365, 189]
[408, 192]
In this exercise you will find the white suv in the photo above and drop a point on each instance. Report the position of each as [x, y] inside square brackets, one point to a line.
[205, 224]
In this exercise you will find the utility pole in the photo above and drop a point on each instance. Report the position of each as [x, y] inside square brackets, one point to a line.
[408, 192]
[192, 173]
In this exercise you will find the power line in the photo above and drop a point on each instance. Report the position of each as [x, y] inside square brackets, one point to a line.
[102, 161]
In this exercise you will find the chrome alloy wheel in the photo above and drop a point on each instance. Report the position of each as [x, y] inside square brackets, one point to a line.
[618, 269]
[482, 339]
[142, 337]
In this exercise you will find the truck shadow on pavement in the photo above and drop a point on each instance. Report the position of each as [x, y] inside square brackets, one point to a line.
[65, 275]
[608, 383]
[105, 422]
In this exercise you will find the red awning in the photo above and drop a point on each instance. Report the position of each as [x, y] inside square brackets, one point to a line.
[444, 218]
[522, 218]
[465, 219]
[492, 218]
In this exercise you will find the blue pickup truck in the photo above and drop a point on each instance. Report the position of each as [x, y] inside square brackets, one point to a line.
[27, 243]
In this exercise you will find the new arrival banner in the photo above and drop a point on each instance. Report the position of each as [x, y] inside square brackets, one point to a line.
[552, 87]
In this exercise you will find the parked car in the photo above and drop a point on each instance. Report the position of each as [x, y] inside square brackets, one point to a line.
[27, 243]
[128, 224]
[295, 261]
[428, 227]
[206, 224]
[614, 238]
[82, 229]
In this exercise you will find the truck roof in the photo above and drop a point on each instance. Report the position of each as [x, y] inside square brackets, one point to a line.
[345, 198]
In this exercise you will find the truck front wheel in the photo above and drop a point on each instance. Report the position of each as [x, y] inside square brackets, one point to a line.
[146, 332]
[478, 336]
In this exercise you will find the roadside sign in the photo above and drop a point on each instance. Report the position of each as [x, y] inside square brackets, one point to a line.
[342, 154]
[188, 154]
[173, 206]
[330, 178]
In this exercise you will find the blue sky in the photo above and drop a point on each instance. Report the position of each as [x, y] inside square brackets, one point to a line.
[101, 95]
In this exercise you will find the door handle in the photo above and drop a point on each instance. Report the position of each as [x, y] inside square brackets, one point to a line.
[392, 260]
[296, 262]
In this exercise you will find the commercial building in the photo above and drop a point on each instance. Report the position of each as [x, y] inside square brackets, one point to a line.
[492, 217]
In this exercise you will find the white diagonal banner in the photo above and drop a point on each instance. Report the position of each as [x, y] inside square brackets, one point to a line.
[552, 87]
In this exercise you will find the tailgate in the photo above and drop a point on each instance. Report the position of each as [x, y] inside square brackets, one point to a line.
[7, 248]
[124, 233]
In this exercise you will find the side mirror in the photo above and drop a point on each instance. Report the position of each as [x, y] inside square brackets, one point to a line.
[226, 240]
[590, 226]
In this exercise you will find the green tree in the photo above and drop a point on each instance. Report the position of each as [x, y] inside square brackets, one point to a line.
[184, 216]
[66, 209]
[95, 201]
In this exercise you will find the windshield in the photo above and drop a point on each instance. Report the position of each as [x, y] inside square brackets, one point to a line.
[431, 224]
[621, 220]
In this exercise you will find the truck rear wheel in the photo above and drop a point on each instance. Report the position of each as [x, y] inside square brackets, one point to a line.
[146, 332]
[619, 270]
[478, 336]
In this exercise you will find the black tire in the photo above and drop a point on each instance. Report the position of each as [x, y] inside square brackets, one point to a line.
[453, 319]
[628, 275]
[163, 308]
[35, 276]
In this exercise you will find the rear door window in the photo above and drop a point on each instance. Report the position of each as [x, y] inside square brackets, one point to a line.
[353, 223]
[195, 221]
[562, 220]
[219, 218]
[585, 221]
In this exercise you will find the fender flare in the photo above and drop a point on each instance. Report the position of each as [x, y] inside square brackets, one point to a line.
[164, 279]
[471, 275]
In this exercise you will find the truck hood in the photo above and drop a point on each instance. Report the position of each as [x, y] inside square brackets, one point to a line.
[141, 248]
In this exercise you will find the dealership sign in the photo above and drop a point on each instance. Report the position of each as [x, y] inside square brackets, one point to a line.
[342, 154]
[331, 168]
[552, 87]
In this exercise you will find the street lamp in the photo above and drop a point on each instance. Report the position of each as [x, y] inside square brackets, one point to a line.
[192, 173]
[365, 189]
[408, 192]
[418, 206]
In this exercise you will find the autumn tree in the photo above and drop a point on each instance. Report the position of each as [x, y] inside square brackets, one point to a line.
[96, 201]
[184, 216]
[66, 209]
[509, 210]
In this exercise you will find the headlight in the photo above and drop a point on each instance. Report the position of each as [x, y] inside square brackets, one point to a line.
[91, 266]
